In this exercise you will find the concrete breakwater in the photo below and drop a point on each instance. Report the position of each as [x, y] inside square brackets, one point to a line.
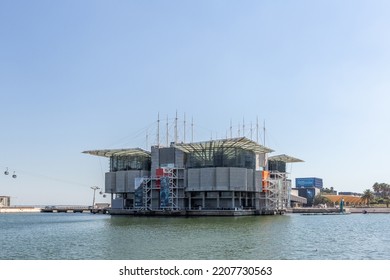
[20, 210]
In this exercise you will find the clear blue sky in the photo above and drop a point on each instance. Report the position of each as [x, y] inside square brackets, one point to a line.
[81, 75]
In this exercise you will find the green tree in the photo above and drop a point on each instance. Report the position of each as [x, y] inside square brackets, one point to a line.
[329, 191]
[368, 196]
[376, 188]
[320, 199]
[383, 190]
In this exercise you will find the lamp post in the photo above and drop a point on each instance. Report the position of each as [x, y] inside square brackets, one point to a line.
[94, 192]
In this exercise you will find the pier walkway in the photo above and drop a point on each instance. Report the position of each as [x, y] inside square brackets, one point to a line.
[73, 209]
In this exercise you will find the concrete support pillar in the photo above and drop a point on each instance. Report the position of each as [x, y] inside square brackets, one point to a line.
[189, 200]
[257, 201]
[218, 200]
[233, 204]
[203, 200]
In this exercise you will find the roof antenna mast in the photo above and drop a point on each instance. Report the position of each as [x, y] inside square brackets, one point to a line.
[176, 128]
[231, 129]
[147, 139]
[251, 132]
[192, 130]
[167, 133]
[158, 129]
[243, 127]
[264, 132]
[184, 138]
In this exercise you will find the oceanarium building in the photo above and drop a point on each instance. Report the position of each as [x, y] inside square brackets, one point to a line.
[231, 176]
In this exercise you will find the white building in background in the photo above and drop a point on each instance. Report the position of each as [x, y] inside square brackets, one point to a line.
[5, 201]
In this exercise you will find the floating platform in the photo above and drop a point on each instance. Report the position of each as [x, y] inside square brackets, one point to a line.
[70, 209]
[332, 214]
[193, 213]
[309, 210]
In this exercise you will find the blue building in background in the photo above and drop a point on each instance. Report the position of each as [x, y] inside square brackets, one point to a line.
[311, 182]
[309, 193]
[308, 188]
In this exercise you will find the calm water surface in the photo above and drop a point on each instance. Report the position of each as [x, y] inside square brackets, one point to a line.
[87, 236]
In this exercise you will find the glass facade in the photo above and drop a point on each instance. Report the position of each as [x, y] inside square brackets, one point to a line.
[221, 157]
[277, 165]
[118, 163]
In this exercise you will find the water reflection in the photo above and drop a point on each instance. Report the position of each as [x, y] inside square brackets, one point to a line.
[86, 236]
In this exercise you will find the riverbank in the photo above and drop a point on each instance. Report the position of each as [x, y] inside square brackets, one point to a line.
[310, 210]
[360, 210]
[370, 210]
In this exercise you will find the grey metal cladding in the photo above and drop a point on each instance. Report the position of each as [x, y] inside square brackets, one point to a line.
[222, 178]
[121, 181]
[110, 182]
[193, 179]
[238, 179]
[207, 178]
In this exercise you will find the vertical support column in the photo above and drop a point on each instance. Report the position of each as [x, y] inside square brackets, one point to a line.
[257, 200]
[233, 204]
[218, 200]
[189, 200]
[203, 200]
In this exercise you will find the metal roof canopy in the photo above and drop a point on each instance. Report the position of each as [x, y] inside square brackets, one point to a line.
[119, 152]
[242, 142]
[299, 199]
[284, 158]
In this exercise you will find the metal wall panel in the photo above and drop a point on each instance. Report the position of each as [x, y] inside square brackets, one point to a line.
[155, 160]
[250, 180]
[121, 181]
[258, 181]
[130, 183]
[260, 161]
[222, 178]
[179, 159]
[207, 178]
[110, 181]
[238, 179]
[193, 179]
